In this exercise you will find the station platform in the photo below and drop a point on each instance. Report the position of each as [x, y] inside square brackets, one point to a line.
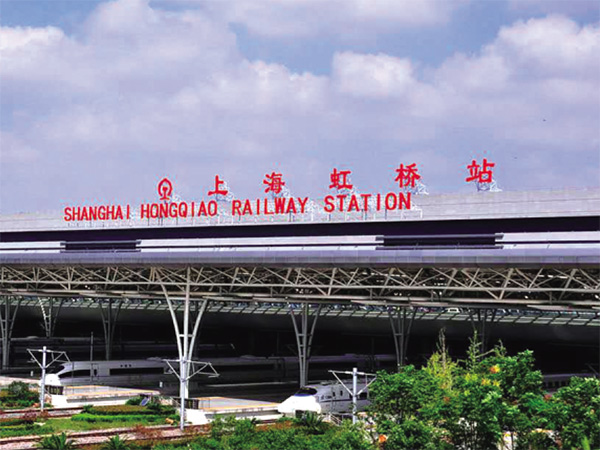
[70, 396]
[203, 410]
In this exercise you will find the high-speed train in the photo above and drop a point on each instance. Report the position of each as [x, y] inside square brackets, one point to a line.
[324, 398]
[243, 369]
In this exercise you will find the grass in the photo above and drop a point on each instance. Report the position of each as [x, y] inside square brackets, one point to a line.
[66, 424]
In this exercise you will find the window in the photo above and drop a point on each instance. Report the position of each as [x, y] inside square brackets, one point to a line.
[136, 371]
[306, 391]
[76, 374]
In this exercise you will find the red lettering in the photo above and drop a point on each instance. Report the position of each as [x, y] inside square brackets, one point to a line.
[303, 202]
[279, 204]
[212, 208]
[387, 201]
[404, 200]
[353, 205]
[163, 210]
[144, 211]
[202, 209]
[247, 208]
[183, 209]
[341, 198]
[365, 198]
[291, 206]
[68, 214]
[235, 207]
[329, 205]
[268, 212]
[154, 210]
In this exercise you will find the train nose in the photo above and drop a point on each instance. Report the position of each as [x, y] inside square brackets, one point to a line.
[52, 380]
[297, 403]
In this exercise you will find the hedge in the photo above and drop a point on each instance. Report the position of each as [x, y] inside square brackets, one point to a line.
[93, 418]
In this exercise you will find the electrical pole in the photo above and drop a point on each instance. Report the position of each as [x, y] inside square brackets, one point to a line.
[185, 374]
[55, 356]
[354, 393]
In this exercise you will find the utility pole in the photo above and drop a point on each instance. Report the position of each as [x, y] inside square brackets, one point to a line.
[354, 393]
[55, 356]
[184, 375]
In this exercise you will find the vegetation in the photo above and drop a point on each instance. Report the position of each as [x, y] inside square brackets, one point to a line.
[116, 443]
[92, 418]
[477, 403]
[310, 433]
[18, 395]
[484, 402]
[56, 442]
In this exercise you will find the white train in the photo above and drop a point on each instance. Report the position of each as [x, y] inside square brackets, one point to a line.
[242, 369]
[324, 398]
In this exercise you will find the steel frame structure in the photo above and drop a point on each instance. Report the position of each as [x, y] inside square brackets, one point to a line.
[546, 287]
[577, 287]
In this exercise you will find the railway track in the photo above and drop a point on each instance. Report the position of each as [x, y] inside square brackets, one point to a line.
[146, 433]
[50, 412]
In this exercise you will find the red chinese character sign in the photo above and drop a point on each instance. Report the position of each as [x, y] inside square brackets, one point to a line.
[274, 182]
[482, 175]
[407, 175]
[220, 187]
[339, 179]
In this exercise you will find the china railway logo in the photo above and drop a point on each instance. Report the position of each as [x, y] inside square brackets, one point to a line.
[165, 189]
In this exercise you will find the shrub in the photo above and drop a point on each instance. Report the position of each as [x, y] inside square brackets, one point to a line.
[99, 418]
[20, 391]
[24, 430]
[134, 401]
[114, 410]
[17, 421]
[56, 442]
[115, 443]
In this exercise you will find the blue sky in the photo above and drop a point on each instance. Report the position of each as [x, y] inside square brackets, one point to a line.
[99, 100]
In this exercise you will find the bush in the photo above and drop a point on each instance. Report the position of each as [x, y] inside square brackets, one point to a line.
[20, 391]
[99, 418]
[17, 421]
[18, 395]
[56, 442]
[114, 410]
[24, 430]
[115, 443]
[135, 401]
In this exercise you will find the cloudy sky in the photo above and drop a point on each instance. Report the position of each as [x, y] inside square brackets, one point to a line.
[101, 99]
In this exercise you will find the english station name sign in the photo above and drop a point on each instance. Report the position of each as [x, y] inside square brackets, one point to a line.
[279, 202]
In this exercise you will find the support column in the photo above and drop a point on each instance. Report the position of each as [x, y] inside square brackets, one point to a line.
[185, 340]
[304, 331]
[401, 321]
[479, 324]
[7, 321]
[109, 323]
[50, 314]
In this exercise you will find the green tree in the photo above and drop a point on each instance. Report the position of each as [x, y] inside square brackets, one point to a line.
[575, 413]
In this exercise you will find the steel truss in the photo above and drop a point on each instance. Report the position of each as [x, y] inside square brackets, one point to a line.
[109, 324]
[304, 331]
[395, 288]
[7, 322]
[502, 287]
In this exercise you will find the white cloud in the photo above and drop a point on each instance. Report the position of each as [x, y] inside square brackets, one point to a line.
[143, 92]
[344, 18]
[377, 76]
